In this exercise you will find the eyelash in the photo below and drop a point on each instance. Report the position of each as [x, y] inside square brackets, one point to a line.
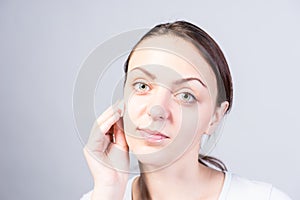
[136, 86]
[192, 97]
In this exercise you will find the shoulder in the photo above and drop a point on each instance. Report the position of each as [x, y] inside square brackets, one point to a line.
[87, 196]
[242, 188]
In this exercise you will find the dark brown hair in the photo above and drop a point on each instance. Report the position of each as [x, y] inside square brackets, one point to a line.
[210, 50]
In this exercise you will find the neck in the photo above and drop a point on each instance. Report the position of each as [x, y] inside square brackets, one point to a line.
[185, 176]
[183, 169]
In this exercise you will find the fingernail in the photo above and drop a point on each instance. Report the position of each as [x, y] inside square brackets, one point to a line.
[121, 107]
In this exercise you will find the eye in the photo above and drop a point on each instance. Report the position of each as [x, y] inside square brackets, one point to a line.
[141, 87]
[186, 97]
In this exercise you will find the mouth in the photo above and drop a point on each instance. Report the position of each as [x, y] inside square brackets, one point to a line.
[152, 136]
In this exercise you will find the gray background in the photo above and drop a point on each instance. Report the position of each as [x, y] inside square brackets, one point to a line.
[43, 44]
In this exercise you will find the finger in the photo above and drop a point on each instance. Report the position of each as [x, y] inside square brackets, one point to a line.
[105, 126]
[121, 107]
[98, 145]
[120, 139]
[118, 158]
[99, 138]
[107, 114]
[99, 131]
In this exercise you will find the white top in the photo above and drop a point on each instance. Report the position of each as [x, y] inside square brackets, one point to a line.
[234, 188]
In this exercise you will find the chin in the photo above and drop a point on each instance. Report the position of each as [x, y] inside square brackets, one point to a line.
[143, 147]
[154, 157]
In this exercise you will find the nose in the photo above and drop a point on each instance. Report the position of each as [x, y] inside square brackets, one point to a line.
[159, 107]
[158, 113]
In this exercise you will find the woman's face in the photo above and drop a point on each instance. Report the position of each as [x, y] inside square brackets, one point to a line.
[169, 96]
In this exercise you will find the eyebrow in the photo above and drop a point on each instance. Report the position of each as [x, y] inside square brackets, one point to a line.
[180, 81]
[152, 76]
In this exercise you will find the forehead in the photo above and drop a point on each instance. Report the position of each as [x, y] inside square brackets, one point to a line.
[173, 53]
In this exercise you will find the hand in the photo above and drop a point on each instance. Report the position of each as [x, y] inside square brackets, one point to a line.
[107, 155]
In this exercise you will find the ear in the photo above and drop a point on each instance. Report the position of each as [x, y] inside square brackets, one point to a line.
[217, 117]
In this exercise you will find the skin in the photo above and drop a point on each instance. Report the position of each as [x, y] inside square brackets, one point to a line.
[181, 112]
[108, 160]
[172, 164]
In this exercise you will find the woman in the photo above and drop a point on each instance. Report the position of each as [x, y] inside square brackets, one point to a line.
[177, 89]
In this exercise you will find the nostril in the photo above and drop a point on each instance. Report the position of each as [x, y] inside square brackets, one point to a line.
[157, 112]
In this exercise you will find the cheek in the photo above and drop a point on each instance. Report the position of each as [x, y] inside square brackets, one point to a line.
[194, 123]
[136, 108]
[134, 115]
[185, 123]
[204, 116]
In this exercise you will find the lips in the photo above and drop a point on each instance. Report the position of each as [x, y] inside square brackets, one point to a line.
[152, 136]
